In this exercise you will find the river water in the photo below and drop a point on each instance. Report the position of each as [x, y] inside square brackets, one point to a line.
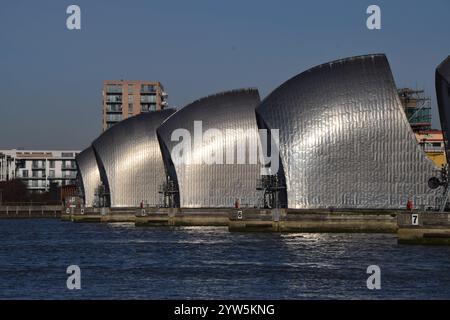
[121, 261]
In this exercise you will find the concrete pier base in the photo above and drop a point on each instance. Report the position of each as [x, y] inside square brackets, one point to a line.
[104, 215]
[283, 220]
[66, 217]
[185, 217]
[83, 218]
[411, 228]
[428, 228]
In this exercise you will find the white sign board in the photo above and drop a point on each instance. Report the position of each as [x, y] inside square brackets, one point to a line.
[415, 219]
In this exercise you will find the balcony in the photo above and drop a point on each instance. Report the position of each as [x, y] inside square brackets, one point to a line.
[148, 107]
[70, 177]
[148, 99]
[113, 89]
[114, 99]
[68, 167]
[113, 108]
[34, 178]
[433, 149]
[148, 88]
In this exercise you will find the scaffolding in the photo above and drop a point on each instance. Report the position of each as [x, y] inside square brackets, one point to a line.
[417, 108]
[170, 193]
[272, 186]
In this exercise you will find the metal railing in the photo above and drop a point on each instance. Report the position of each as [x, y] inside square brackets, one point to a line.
[433, 149]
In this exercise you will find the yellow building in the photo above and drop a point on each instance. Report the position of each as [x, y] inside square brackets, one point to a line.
[432, 142]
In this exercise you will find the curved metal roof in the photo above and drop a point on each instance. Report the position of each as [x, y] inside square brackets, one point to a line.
[443, 99]
[130, 161]
[204, 184]
[88, 175]
[345, 141]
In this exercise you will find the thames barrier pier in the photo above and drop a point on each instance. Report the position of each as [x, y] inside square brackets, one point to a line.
[346, 160]
[314, 221]
[424, 228]
[417, 227]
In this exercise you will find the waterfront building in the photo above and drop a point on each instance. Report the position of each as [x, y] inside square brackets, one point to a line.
[417, 108]
[38, 169]
[123, 99]
[432, 143]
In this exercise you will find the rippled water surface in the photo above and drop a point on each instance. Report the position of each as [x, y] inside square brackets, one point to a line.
[126, 262]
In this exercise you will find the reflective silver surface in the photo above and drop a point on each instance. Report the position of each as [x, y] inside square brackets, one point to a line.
[443, 99]
[88, 175]
[130, 161]
[345, 141]
[215, 185]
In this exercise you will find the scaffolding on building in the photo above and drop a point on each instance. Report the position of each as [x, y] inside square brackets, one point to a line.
[417, 108]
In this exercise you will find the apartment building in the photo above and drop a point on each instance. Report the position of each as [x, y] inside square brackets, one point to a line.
[123, 99]
[432, 143]
[39, 168]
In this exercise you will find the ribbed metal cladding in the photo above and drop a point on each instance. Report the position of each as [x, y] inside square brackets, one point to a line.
[443, 99]
[204, 185]
[130, 160]
[345, 141]
[88, 175]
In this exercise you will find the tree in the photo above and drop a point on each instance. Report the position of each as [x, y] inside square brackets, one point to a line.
[14, 191]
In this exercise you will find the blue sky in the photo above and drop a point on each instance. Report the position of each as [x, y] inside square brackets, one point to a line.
[51, 78]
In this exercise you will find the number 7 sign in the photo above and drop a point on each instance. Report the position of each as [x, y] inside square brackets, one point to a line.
[415, 219]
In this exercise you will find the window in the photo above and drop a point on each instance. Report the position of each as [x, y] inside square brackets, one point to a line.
[52, 164]
[130, 108]
[114, 108]
[117, 98]
[148, 99]
[130, 98]
[25, 173]
[21, 164]
[436, 144]
[51, 174]
[68, 164]
[147, 88]
[35, 174]
[130, 88]
[113, 117]
[113, 88]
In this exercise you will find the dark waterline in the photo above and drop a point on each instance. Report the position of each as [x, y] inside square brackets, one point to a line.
[124, 262]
